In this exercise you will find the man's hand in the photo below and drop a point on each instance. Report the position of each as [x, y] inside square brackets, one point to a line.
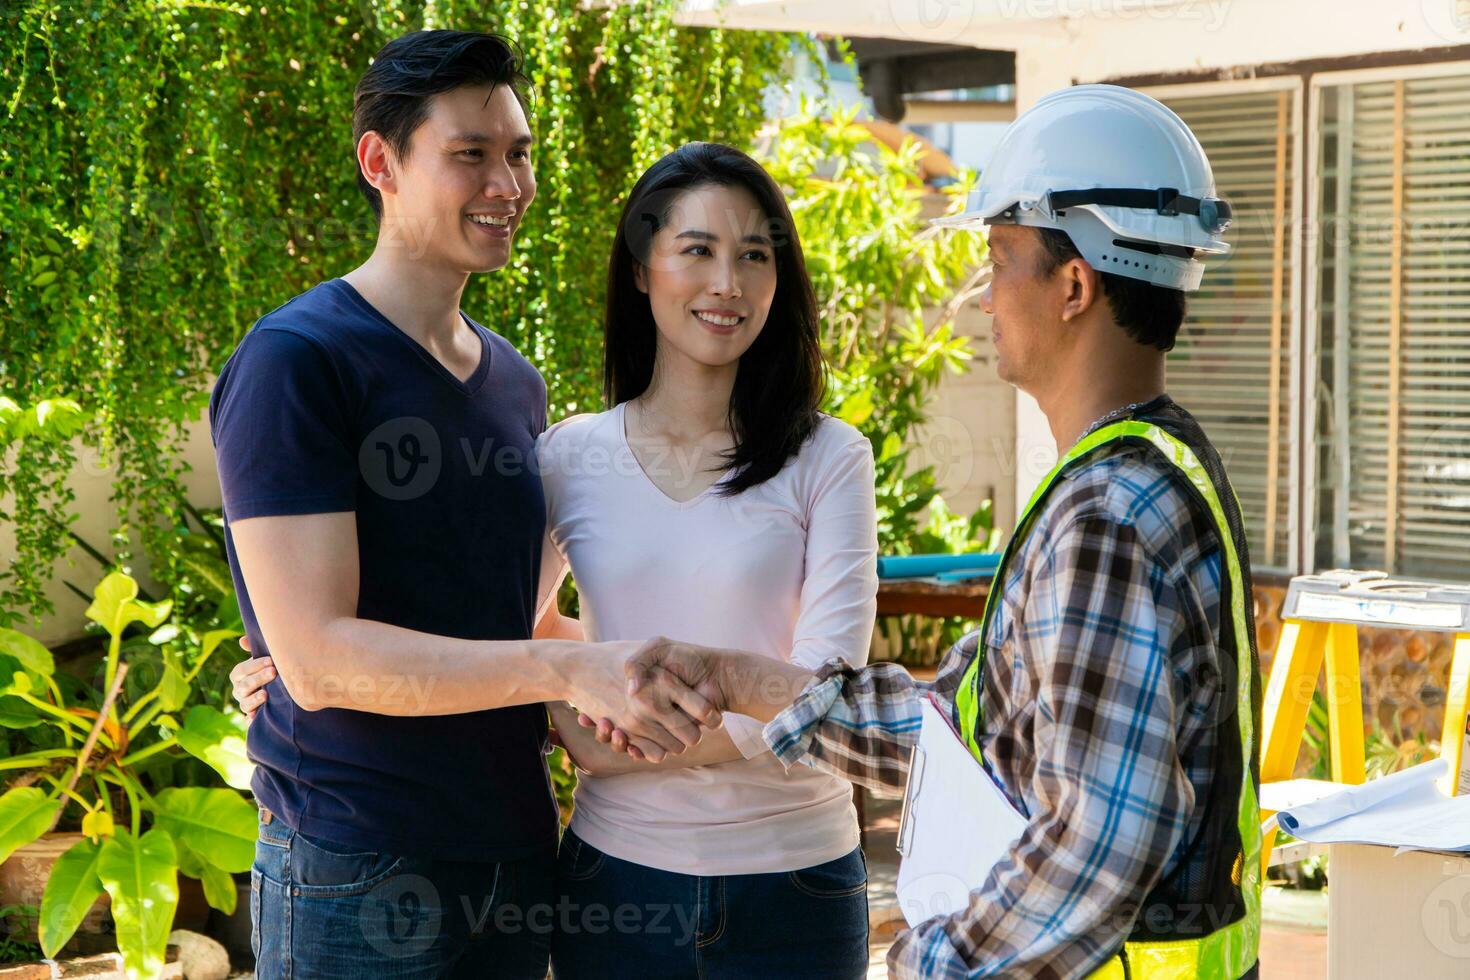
[248, 679]
[659, 714]
[728, 680]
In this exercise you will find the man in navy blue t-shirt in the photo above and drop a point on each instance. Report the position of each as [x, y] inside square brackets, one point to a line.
[384, 530]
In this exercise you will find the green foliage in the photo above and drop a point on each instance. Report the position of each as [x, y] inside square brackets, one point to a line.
[889, 288]
[17, 919]
[171, 171]
[39, 436]
[76, 766]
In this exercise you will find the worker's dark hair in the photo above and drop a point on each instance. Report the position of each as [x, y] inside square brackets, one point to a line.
[392, 96]
[1150, 314]
[781, 380]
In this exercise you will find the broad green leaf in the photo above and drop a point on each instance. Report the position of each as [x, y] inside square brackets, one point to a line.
[173, 690]
[13, 677]
[892, 446]
[26, 813]
[111, 595]
[116, 604]
[218, 739]
[71, 890]
[219, 887]
[214, 638]
[211, 573]
[150, 614]
[216, 824]
[15, 713]
[31, 653]
[858, 408]
[141, 875]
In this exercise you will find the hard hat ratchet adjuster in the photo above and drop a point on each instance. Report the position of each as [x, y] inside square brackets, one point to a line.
[1213, 214]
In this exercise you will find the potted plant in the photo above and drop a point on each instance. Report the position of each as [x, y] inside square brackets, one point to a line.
[137, 832]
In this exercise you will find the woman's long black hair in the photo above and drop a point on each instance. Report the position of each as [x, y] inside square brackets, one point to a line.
[780, 381]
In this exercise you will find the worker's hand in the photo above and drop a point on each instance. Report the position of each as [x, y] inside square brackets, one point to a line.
[248, 679]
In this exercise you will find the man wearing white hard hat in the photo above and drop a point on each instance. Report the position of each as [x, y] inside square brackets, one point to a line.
[1112, 689]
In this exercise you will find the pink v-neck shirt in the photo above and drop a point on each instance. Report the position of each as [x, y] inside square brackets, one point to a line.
[787, 569]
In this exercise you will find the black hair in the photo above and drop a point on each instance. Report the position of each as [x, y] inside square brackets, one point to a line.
[392, 96]
[780, 380]
[1150, 314]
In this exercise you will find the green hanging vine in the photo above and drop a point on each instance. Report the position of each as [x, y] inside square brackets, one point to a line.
[169, 171]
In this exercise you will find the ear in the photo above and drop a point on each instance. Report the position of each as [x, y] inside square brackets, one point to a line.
[375, 163]
[640, 276]
[1083, 285]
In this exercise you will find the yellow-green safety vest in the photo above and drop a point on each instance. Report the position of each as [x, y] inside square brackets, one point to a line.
[1229, 952]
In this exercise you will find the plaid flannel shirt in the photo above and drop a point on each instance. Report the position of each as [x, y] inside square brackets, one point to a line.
[1096, 719]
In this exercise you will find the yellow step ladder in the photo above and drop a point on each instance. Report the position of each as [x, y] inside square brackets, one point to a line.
[1320, 621]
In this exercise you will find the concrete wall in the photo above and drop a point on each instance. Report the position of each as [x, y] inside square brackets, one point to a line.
[91, 480]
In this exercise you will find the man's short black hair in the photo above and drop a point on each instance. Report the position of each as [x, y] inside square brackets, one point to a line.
[1150, 314]
[392, 97]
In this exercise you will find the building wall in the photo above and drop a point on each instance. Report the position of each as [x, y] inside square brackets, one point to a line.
[1208, 38]
[91, 481]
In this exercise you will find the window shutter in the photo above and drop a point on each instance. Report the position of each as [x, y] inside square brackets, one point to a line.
[1394, 410]
[1232, 366]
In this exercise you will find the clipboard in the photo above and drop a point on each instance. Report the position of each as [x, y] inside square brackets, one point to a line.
[955, 826]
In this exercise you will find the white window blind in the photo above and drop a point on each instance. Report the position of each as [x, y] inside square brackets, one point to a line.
[1393, 409]
[1232, 367]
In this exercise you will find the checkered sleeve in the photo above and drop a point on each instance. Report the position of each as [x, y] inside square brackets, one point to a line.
[861, 724]
[1108, 797]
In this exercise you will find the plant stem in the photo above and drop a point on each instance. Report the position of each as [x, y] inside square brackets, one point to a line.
[91, 741]
[150, 751]
[139, 705]
[114, 648]
[143, 722]
[51, 709]
[131, 787]
[33, 760]
[102, 793]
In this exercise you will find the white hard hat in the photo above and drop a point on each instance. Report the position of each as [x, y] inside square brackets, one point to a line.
[1117, 171]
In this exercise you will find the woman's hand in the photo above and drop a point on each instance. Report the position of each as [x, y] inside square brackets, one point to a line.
[248, 679]
[586, 752]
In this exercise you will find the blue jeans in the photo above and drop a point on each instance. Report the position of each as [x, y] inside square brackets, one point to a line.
[619, 919]
[321, 909]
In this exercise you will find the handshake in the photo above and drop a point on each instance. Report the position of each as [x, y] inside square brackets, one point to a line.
[674, 691]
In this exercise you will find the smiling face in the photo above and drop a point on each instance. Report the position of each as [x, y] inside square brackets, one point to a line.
[1026, 303]
[710, 275]
[459, 197]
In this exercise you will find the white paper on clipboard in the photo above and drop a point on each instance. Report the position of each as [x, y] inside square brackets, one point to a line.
[956, 823]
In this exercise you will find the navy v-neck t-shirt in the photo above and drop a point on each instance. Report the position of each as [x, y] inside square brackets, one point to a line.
[327, 407]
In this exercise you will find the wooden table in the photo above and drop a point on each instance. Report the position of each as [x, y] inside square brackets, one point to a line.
[931, 597]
